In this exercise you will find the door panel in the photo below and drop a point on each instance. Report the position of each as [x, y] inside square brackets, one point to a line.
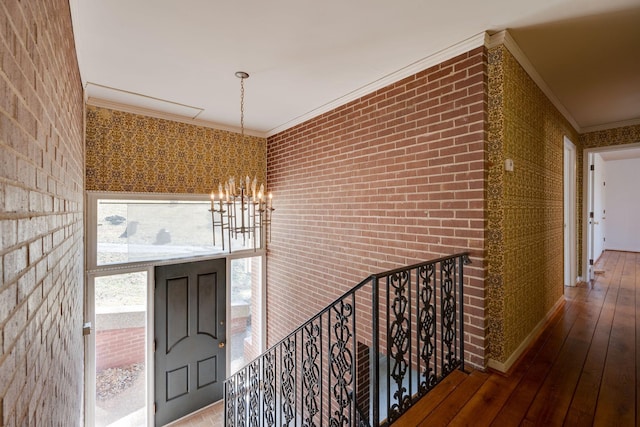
[597, 221]
[190, 335]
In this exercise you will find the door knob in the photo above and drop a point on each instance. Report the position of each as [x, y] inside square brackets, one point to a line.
[221, 345]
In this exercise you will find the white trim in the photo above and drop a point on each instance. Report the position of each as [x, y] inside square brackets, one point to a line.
[570, 206]
[505, 366]
[150, 392]
[495, 40]
[89, 354]
[411, 69]
[503, 37]
[112, 105]
[227, 311]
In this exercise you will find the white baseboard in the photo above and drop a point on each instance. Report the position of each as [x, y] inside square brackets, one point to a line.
[505, 366]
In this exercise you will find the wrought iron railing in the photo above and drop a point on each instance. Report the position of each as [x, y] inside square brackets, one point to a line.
[364, 359]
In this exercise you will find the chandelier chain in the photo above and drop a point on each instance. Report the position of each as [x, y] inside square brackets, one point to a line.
[242, 108]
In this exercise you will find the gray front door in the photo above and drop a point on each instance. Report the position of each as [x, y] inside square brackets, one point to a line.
[190, 337]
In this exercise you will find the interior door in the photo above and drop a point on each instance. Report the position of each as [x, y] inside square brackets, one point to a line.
[598, 207]
[190, 337]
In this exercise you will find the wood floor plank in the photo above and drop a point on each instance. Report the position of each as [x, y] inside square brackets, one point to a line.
[583, 404]
[447, 410]
[427, 404]
[554, 396]
[617, 401]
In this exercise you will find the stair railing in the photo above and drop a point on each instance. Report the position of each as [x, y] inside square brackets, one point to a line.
[364, 359]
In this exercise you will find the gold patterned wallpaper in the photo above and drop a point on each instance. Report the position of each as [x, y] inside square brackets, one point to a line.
[525, 207]
[133, 153]
[611, 137]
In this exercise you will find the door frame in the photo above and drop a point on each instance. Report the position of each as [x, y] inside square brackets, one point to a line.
[570, 259]
[587, 194]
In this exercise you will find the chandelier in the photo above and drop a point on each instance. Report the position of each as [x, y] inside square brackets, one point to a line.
[242, 209]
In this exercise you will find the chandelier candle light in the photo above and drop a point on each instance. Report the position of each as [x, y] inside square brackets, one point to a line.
[242, 209]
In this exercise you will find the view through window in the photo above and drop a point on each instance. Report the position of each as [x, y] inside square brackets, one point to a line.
[244, 333]
[146, 230]
[120, 349]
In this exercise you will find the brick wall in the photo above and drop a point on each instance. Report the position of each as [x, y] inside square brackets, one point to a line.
[119, 347]
[393, 178]
[41, 214]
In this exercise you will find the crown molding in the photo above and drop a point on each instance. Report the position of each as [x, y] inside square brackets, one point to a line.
[503, 37]
[112, 105]
[613, 125]
[411, 69]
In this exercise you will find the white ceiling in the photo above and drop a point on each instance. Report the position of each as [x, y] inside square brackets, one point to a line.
[305, 57]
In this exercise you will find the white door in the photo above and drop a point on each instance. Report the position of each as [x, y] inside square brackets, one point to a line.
[598, 207]
[596, 210]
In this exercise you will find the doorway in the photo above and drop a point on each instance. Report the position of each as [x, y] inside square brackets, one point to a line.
[190, 335]
[599, 224]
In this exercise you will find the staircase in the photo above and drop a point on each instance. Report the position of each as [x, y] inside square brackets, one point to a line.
[365, 359]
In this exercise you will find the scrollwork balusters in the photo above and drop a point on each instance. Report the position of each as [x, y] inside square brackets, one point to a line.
[400, 337]
[448, 312]
[341, 365]
[426, 327]
[311, 374]
[288, 383]
[269, 380]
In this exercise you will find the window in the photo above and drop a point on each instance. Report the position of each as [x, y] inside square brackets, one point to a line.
[120, 349]
[245, 314]
[148, 228]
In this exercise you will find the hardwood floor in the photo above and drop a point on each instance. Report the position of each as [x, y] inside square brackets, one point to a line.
[581, 371]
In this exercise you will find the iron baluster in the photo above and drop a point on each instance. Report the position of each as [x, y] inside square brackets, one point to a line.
[241, 401]
[311, 374]
[341, 364]
[288, 380]
[448, 306]
[269, 398]
[399, 335]
[254, 393]
[375, 340]
[426, 326]
[230, 401]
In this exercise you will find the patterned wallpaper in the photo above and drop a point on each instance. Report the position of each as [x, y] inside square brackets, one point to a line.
[133, 153]
[611, 137]
[525, 207]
